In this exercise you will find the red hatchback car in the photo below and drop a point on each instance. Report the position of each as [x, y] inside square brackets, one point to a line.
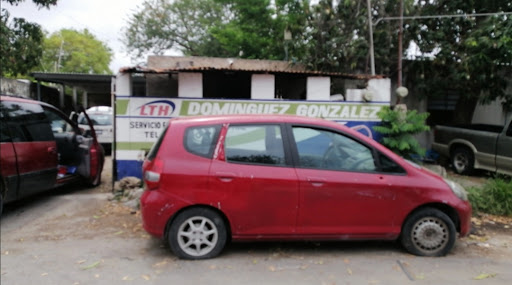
[209, 180]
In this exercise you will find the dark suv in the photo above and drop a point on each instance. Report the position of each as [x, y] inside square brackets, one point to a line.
[40, 149]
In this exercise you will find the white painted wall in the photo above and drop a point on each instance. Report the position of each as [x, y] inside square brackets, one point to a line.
[124, 84]
[14, 87]
[318, 88]
[380, 90]
[263, 86]
[190, 85]
[492, 114]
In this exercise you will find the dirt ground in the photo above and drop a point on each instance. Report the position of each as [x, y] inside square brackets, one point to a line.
[76, 236]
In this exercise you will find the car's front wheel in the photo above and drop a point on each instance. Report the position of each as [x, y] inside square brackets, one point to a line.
[197, 233]
[428, 232]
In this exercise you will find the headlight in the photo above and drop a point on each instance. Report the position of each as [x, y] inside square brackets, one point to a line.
[457, 189]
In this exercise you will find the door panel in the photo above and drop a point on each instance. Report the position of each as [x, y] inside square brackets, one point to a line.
[337, 202]
[341, 191]
[261, 189]
[504, 151]
[9, 170]
[34, 146]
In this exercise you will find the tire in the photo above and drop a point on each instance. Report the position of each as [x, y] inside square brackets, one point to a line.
[197, 233]
[463, 160]
[428, 232]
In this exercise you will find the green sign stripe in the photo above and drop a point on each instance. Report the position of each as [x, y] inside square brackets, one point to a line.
[122, 106]
[134, 145]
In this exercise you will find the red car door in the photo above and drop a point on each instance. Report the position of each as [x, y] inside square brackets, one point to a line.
[84, 153]
[34, 148]
[260, 186]
[340, 189]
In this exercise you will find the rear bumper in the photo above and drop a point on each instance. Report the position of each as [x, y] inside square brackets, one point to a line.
[156, 210]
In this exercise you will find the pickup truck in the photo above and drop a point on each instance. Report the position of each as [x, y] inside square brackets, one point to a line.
[480, 146]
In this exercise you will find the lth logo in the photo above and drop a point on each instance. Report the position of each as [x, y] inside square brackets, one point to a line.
[160, 108]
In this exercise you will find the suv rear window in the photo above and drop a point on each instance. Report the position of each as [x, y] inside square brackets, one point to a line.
[26, 122]
[201, 140]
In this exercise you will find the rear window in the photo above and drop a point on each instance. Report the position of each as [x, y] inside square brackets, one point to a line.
[154, 150]
[201, 140]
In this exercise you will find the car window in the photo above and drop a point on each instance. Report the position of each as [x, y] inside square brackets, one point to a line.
[58, 123]
[509, 131]
[201, 140]
[4, 131]
[258, 144]
[389, 166]
[323, 149]
[27, 122]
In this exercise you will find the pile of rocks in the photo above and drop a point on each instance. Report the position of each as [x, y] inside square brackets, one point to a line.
[128, 191]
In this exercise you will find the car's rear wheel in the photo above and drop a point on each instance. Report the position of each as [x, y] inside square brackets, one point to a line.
[197, 233]
[428, 232]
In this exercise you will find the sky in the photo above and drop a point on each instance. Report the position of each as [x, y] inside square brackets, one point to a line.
[105, 19]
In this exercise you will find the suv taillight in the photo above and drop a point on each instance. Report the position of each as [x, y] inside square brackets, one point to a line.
[152, 173]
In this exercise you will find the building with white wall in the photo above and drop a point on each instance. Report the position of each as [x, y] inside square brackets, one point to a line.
[191, 86]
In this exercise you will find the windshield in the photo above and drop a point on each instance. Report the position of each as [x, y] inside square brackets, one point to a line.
[97, 119]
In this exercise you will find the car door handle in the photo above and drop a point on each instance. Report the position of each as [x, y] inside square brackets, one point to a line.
[316, 181]
[52, 150]
[225, 176]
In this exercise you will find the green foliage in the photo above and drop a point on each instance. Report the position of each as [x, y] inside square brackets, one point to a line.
[399, 128]
[20, 41]
[20, 45]
[75, 51]
[218, 28]
[40, 3]
[494, 197]
[162, 25]
[472, 54]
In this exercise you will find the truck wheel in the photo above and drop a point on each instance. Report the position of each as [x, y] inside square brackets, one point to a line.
[463, 160]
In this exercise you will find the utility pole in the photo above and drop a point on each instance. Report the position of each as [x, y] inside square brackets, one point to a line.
[370, 28]
[400, 35]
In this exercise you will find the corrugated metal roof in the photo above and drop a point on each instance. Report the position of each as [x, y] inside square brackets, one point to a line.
[140, 69]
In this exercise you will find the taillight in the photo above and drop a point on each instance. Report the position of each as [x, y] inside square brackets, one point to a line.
[94, 161]
[152, 173]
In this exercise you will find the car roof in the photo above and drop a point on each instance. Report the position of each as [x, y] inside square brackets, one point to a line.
[25, 100]
[257, 118]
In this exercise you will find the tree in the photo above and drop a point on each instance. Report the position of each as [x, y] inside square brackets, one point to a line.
[473, 55]
[338, 36]
[20, 41]
[256, 30]
[69, 50]
[219, 28]
[163, 25]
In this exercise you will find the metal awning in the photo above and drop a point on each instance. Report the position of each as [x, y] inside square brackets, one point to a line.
[91, 83]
